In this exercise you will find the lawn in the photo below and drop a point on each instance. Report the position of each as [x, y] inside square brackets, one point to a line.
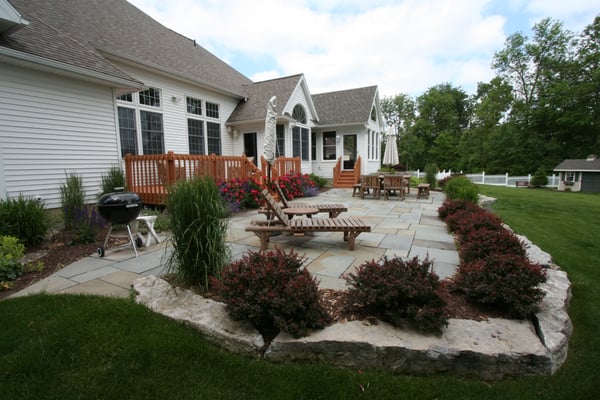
[73, 347]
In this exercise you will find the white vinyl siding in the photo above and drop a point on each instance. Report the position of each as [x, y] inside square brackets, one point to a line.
[52, 126]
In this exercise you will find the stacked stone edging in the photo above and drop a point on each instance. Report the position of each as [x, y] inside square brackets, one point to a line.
[490, 349]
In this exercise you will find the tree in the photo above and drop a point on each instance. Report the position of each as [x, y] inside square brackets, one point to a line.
[539, 72]
[444, 113]
[399, 111]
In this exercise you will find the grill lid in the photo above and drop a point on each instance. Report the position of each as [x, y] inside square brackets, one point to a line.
[120, 207]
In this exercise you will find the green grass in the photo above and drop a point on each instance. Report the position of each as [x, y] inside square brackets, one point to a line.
[75, 347]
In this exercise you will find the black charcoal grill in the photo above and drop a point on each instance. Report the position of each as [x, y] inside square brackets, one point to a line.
[120, 208]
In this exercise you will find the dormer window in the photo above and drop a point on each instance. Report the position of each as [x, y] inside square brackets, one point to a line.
[373, 115]
[299, 114]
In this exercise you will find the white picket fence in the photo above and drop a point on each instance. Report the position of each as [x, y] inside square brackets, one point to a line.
[482, 178]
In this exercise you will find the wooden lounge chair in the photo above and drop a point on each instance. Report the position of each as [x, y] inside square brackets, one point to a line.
[393, 183]
[350, 226]
[333, 209]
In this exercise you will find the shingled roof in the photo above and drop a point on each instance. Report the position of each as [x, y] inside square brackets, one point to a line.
[87, 33]
[591, 164]
[258, 95]
[344, 107]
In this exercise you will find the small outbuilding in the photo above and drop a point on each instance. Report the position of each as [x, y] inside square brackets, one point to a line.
[579, 175]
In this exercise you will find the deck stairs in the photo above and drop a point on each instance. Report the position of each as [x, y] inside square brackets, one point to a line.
[345, 180]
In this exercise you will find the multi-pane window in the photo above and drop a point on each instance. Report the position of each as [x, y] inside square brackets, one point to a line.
[150, 97]
[126, 97]
[299, 114]
[280, 147]
[152, 132]
[329, 146]
[313, 146]
[300, 143]
[194, 106]
[212, 110]
[213, 135]
[196, 136]
[127, 131]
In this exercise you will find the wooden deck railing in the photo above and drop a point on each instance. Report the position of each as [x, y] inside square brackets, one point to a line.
[282, 166]
[151, 175]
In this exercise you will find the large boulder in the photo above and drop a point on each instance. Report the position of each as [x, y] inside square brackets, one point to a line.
[208, 316]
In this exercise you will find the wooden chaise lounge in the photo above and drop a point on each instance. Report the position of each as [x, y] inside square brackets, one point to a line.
[350, 226]
[333, 209]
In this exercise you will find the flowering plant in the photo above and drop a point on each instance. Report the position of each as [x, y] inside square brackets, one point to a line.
[240, 194]
[295, 185]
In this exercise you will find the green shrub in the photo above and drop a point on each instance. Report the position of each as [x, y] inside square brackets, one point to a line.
[431, 171]
[461, 188]
[398, 292]
[11, 252]
[540, 179]
[199, 227]
[72, 198]
[88, 222]
[505, 281]
[24, 219]
[318, 180]
[115, 178]
[273, 292]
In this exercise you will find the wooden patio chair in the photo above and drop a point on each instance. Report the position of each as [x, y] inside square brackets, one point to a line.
[350, 226]
[358, 187]
[393, 183]
[371, 183]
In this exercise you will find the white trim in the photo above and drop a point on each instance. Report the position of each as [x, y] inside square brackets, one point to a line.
[45, 64]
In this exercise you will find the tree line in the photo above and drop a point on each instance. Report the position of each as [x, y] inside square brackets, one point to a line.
[542, 106]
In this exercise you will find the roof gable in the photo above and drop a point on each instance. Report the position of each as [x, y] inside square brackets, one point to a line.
[254, 107]
[352, 106]
[116, 28]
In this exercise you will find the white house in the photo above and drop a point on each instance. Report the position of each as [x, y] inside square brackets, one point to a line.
[83, 82]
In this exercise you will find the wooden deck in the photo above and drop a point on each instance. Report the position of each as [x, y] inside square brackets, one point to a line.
[151, 175]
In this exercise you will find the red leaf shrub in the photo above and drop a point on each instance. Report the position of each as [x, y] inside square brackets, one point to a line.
[479, 243]
[465, 221]
[273, 292]
[506, 281]
[450, 207]
[399, 291]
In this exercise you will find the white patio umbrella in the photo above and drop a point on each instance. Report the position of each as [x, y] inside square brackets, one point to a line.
[390, 156]
[270, 134]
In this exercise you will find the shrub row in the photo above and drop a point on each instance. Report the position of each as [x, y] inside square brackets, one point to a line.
[494, 267]
[272, 291]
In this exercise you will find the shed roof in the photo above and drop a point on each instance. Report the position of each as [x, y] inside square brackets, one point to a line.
[587, 165]
[87, 33]
[345, 106]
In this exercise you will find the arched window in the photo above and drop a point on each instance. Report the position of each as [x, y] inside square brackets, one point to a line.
[299, 114]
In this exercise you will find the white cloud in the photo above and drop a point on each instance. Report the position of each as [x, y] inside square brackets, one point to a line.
[401, 46]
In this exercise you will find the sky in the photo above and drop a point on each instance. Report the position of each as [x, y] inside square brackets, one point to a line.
[402, 46]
